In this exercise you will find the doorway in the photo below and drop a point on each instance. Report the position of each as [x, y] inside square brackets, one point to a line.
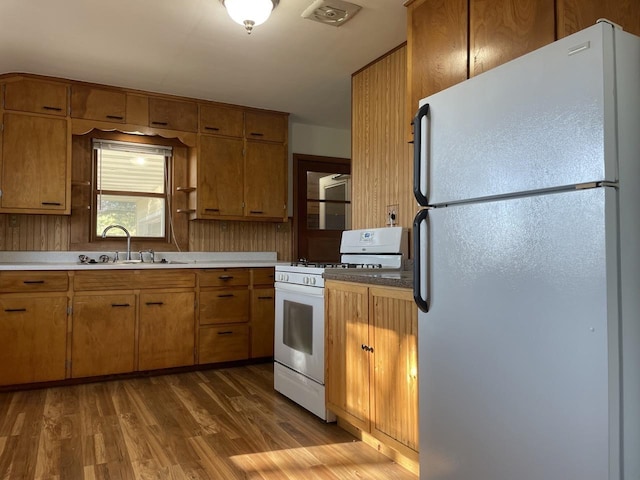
[322, 206]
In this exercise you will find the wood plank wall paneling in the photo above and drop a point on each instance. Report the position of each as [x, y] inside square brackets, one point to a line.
[34, 232]
[51, 232]
[227, 236]
[382, 161]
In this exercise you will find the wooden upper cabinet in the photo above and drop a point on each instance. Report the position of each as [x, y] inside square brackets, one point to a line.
[271, 127]
[35, 159]
[220, 175]
[575, 15]
[265, 180]
[436, 47]
[28, 95]
[501, 30]
[98, 104]
[221, 121]
[173, 114]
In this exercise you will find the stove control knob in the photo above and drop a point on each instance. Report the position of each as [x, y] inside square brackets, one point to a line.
[305, 280]
[313, 280]
[286, 277]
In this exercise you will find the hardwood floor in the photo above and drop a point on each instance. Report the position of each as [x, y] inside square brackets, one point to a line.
[217, 424]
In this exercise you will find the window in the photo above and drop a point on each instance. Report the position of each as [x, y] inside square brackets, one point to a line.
[131, 184]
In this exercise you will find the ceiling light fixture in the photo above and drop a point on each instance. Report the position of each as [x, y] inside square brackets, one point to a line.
[249, 13]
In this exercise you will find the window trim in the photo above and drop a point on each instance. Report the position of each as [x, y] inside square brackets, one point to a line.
[134, 147]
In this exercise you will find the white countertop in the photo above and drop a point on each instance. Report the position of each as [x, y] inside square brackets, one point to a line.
[70, 261]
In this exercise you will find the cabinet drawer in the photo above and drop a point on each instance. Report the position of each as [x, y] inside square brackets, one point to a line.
[173, 115]
[98, 104]
[221, 121]
[224, 277]
[36, 96]
[133, 279]
[223, 344]
[271, 127]
[263, 276]
[224, 306]
[36, 281]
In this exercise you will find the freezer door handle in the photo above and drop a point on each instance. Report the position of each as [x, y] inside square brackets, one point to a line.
[423, 112]
[420, 248]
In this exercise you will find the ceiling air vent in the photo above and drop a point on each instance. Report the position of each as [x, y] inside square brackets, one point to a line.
[331, 12]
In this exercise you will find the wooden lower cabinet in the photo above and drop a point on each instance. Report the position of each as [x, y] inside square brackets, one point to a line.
[225, 343]
[33, 339]
[103, 339]
[166, 331]
[347, 363]
[263, 313]
[371, 362]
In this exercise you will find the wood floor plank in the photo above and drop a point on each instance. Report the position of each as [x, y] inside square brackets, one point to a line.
[226, 424]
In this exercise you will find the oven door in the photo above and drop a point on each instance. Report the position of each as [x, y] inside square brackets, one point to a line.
[299, 329]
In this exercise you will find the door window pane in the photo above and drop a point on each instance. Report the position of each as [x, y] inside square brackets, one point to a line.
[328, 201]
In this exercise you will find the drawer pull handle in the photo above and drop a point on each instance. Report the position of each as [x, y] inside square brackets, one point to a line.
[115, 117]
[226, 332]
[33, 282]
[154, 303]
[56, 109]
[120, 305]
[159, 123]
[211, 209]
[256, 211]
[226, 295]
[56, 204]
[13, 310]
[257, 134]
[215, 129]
[265, 298]
[225, 277]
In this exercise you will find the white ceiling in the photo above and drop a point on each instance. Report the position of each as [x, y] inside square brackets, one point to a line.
[192, 48]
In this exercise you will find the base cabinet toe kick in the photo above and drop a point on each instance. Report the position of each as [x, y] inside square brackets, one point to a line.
[57, 326]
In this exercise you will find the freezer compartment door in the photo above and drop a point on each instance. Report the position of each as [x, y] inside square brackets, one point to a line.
[544, 120]
[518, 351]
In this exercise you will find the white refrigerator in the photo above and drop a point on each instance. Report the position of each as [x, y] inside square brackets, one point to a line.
[527, 266]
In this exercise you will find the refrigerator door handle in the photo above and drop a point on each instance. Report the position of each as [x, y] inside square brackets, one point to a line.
[420, 248]
[423, 112]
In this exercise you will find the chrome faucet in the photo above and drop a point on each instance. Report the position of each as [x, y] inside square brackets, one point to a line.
[104, 235]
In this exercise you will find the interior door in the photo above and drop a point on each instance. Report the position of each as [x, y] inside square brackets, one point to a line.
[515, 350]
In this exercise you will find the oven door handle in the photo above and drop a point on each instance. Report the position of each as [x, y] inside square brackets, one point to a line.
[304, 289]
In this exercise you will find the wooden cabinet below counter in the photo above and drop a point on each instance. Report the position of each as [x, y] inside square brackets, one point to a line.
[371, 365]
[33, 326]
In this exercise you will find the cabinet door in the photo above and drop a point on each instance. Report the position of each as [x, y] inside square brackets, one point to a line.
[575, 15]
[34, 163]
[224, 306]
[103, 334]
[27, 95]
[270, 127]
[33, 334]
[263, 314]
[393, 332]
[265, 180]
[166, 332]
[220, 174]
[501, 30]
[98, 104]
[221, 121]
[173, 114]
[346, 355]
[436, 47]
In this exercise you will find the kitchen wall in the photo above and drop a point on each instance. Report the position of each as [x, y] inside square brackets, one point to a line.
[51, 232]
[382, 163]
